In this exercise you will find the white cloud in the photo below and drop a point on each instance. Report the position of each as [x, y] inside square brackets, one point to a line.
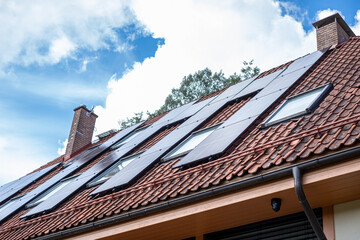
[295, 11]
[61, 150]
[41, 32]
[356, 27]
[199, 34]
[327, 12]
[19, 157]
[61, 92]
[60, 48]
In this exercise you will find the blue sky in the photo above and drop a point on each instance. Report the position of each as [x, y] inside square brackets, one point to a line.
[124, 57]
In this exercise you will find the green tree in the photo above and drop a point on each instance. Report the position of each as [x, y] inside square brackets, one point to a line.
[131, 121]
[195, 86]
[247, 71]
[202, 83]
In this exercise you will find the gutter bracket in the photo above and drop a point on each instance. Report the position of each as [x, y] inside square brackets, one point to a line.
[305, 204]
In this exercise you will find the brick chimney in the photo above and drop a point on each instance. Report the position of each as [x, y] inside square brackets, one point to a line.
[81, 132]
[331, 31]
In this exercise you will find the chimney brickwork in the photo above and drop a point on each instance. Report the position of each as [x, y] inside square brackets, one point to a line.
[331, 31]
[81, 132]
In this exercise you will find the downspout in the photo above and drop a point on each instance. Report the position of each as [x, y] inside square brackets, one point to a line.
[305, 204]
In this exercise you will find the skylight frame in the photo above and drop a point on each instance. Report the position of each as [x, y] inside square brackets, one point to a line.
[36, 201]
[96, 181]
[309, 109]
[169, 155]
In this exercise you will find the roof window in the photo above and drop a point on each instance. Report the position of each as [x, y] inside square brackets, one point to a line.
[127, 138]
[190, 143]
[50, 192]
[117, 167]
[298, 105]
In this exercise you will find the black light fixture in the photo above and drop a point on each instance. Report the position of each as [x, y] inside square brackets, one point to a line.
[276, 204]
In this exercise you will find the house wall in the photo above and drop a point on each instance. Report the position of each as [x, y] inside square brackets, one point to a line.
[347, 220]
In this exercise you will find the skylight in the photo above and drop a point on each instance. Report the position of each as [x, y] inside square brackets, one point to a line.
[50, 192]
[117, 167]
[127, 139]
[298, 105]
[190, 143]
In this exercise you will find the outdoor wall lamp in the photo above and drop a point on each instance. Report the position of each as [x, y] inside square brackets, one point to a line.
[276, 204]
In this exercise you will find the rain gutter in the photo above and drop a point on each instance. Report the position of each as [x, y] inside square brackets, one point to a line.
[228, 188]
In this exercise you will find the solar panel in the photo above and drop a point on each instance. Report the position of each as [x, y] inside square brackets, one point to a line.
[178, 114]
[8, 186]
[192, 110]
[139, 165]
[21, 183]
[217, 142]
[173, 116]
[65, 172]
[123, 133]
[259, 84]
[18, 203]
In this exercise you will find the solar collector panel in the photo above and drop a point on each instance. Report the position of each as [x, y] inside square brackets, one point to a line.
[146, 160]
[9, 186]
[80, 181]
[84, 159]
[18, 203]
[218, 141]
[23, 182]
[259, 84]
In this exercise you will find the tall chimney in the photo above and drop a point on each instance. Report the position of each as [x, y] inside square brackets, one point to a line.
[81, 132]
[331, 31]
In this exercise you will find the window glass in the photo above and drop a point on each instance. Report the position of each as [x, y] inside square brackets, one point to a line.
[127, 139]
[191, 142]
[297, 105]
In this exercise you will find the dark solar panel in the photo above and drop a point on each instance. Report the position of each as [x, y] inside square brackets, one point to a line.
[123, 133]
[75, 185]
[22, 183]
[65, 172]
[85, 158]
[18, 203]
[7, 187]
[217, 142]
[142, 163]
[192, 110]
[84, 178]
[259, 84]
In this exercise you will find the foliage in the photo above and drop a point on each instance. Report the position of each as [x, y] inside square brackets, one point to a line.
[131, 121]
[195, 86]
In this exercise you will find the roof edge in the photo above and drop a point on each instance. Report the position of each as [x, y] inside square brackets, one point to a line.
[250, 182]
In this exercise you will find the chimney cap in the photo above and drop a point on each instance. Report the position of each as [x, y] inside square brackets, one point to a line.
[335, 17]
[86, 109]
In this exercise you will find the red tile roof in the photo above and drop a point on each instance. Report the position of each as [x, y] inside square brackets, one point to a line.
[333, 126]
